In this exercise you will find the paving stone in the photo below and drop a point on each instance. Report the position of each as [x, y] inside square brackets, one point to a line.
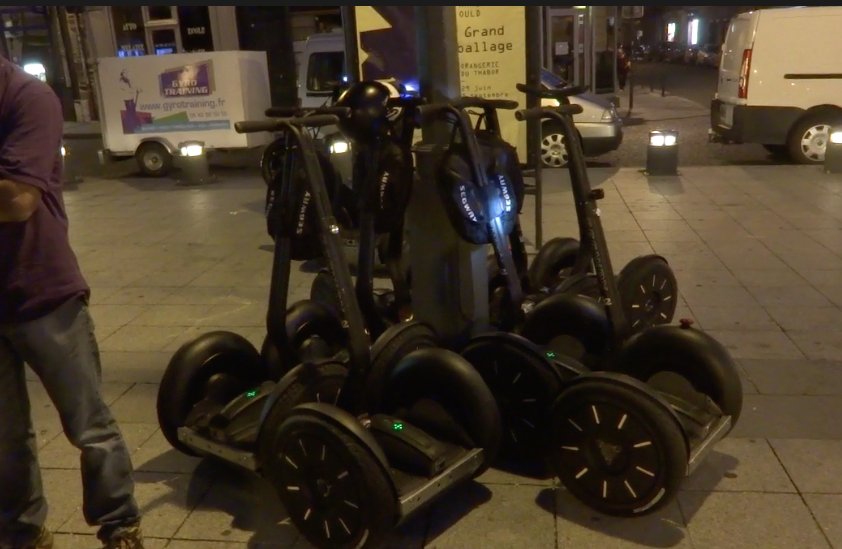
[138, 295]
[814, 465]
[490, 517]
[757, 344]
[133, 366]
[818, 345]
[718, 296]
[116, 315]
[805, 319]
[827, 510]
[174, 315]
[795, 377]
[740, 319]
[42, 407]
[790, 296]
[768, 278]
[772, 416]
[738, 520]
[704, 277]
[133, 406]
[579, 526]
[89, 541]
[140, 338]
[740, 465]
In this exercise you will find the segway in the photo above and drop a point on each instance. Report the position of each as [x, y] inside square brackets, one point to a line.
[346, 472]
[618, 444]
[383, 173]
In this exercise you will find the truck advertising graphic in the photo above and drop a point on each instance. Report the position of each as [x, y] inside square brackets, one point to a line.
[184, 100]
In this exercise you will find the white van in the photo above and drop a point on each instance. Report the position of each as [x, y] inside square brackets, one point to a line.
[780, 81]
[599, 125]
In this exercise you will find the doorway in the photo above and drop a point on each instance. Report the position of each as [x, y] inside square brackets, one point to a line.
[566, 45]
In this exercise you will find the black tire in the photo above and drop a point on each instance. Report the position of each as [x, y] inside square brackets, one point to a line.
[354, 511]
[454, 385]
[390, 348]
[586, 285]
[823, 119]
[648, 459]
[153, 159]
[648, 291]
[323, 290]
[191, 368]
[553, 257]
[272, 361]
[524, 384]
[304, 383]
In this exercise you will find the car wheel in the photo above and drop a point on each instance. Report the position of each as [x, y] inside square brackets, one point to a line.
[808, 140]
[553, 148]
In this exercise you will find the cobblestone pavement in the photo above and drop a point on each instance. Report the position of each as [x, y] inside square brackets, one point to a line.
[758, 255]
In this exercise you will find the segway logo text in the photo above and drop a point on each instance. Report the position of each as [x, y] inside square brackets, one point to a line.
[384, 181]
[302, 214]
[504, 189]
[463, 197]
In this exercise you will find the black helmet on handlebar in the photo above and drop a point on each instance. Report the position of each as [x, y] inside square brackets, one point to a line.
[369, 104]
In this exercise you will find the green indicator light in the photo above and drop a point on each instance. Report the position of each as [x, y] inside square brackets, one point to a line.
[251, 394]
[550, 354]
[397, 426]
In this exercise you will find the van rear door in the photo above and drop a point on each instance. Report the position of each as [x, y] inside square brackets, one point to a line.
[738, 41]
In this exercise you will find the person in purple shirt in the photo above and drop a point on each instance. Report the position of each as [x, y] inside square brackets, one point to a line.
[44, 322]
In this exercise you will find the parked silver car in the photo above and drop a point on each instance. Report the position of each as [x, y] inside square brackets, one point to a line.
[599, 126]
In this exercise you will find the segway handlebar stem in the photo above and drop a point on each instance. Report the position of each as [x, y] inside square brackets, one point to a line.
[482, 103]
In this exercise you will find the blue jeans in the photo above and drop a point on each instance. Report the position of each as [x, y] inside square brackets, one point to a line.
[62, 350]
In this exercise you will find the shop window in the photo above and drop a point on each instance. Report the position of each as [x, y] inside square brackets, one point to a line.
[129, 30]
[194, 24]
[324, 69]
[160, 13]
[163, 41]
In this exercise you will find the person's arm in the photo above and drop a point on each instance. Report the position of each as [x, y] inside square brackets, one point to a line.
[29, 153]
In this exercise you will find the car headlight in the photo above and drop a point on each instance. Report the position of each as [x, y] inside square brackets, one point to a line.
[610, 115]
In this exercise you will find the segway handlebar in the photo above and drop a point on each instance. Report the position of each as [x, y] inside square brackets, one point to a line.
[481, 103]
[556, 93]
[547, 112]
[278, 124]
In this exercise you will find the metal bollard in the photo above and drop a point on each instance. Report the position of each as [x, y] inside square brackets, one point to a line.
[194, 163]
[662, 153]
[833, 152]
[67, 168]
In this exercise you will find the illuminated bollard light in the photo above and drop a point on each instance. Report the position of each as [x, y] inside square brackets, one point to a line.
[662, 153]
[67, 167]
[194, 163]
[833, 153]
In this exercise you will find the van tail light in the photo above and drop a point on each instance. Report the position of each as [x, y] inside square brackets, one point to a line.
[745, 72]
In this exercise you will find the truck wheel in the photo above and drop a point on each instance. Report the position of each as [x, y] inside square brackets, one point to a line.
[153, 159]
[808, 139]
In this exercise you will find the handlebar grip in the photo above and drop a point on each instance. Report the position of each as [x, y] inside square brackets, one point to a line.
[546, 112]
[482, 103]
[277, 124]
[317, 120]
[339, 112]
[556, 93]
[407, 102]
[254, 126]
[283, 112]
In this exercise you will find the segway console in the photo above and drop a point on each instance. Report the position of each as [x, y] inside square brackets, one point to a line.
[346, 470]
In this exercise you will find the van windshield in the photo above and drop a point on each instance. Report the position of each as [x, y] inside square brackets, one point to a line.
[738, 39]
[324, 69]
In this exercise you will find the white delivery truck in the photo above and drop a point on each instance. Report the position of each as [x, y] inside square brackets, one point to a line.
[158, 107]
[780, 82]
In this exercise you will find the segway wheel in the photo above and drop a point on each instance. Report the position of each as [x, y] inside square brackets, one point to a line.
[323, 290]
[649, 292]
[615, 448]
[217, 364]
[331, 486]
[524, 384]
[308, 382]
